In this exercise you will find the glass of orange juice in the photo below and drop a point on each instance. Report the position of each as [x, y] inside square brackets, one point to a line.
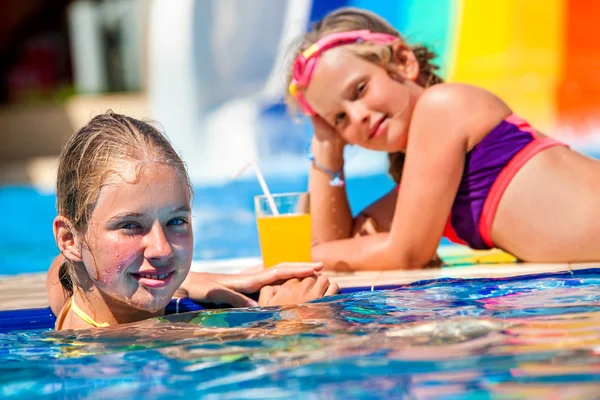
[285, 237]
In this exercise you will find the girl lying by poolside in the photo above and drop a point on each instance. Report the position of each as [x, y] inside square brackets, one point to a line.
[124, 230]
[468, 167]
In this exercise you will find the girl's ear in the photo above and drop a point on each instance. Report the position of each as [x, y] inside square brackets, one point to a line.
[405, 61]
[66, 239]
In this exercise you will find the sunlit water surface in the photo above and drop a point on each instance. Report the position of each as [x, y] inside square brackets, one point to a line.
[535, 337]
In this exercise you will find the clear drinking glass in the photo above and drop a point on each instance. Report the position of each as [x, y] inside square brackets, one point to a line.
[285, 237]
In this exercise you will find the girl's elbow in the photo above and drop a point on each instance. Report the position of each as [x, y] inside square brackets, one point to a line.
[424, 260]
[410, 259]
[417, 262]
[402, 263]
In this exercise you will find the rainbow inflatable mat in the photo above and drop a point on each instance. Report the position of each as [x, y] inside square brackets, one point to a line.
[453, 255]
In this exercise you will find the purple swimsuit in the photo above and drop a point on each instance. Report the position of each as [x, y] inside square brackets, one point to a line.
[489, 168]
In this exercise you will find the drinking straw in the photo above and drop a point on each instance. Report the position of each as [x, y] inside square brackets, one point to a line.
[263, 184]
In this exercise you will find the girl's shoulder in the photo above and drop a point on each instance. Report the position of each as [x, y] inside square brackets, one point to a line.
[461, 96]
[62, 315]
[474, 109]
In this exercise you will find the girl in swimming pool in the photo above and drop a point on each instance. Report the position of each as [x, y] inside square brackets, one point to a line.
[124, 229]
[467, 165]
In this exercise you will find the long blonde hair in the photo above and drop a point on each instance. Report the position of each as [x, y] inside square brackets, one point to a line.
[350, 19]
[95, 152]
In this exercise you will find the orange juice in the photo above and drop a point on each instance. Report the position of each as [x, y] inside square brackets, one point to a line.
[285, 238]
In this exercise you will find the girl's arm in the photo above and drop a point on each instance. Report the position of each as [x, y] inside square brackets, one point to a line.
[230, 288]
[378, 217]
[438, 142]
[331, 215]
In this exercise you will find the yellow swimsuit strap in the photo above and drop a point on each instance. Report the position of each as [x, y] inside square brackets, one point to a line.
[86, 318]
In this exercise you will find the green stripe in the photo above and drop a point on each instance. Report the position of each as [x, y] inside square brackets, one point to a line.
[432, 23]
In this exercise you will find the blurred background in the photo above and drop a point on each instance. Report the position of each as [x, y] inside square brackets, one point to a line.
[212, 73]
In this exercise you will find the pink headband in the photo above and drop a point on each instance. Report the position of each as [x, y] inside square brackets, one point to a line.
[306, 62]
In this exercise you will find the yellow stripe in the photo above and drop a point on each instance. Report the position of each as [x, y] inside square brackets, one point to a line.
[292, 89]
[513, 48]
[86, 318]
[310, 51]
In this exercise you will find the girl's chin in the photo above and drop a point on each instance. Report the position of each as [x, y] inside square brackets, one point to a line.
[152, 302]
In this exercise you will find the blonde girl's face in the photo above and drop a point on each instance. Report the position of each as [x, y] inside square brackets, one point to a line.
[360, 99]
[139, 242]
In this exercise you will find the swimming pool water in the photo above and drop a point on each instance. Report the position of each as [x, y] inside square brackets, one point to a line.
[531, 337]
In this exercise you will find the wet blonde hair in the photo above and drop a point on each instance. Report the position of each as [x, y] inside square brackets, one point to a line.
[97, 151]
[351, 19]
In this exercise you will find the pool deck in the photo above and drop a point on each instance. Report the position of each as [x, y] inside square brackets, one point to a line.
[29, 290]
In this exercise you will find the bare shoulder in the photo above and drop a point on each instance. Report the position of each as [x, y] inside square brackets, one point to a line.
[63, 320]
[465, 108]
[461, 95]
[57, 296]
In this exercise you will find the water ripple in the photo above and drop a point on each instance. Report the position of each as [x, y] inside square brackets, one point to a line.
[534, 337]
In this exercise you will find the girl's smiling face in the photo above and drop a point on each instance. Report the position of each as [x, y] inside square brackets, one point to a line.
[138, 244]
[362, 101]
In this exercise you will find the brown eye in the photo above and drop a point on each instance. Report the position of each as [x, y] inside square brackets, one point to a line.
[360, 88]
[339, 118]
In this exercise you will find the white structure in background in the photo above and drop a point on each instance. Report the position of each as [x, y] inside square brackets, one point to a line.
[213, 65]
[87, 48]
[92, 27]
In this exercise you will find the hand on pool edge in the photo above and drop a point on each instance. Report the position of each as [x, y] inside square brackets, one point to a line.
[297, 291]
[228, 288]
[253, 282]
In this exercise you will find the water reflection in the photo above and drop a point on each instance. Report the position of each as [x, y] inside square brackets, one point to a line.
[528, 338]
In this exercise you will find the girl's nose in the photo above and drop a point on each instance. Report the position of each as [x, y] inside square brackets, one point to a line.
[357, 113]
[158, 247]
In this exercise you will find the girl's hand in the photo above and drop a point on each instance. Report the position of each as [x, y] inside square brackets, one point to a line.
[202, 289]
[325, 132]
[327, 144]
[297, 291]
[228, 288]
[253, 282]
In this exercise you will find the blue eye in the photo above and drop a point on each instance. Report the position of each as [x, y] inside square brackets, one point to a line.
[129, 226]
[177, 221]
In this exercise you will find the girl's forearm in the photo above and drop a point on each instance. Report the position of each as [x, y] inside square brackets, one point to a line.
[331, 215]
[373, 252]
